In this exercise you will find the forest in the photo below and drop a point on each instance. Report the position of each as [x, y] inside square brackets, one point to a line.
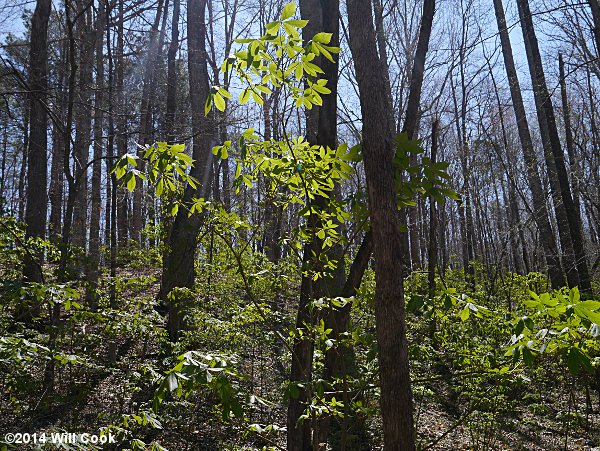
[307, 225]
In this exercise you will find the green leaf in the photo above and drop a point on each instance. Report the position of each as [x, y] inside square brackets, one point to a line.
[288, 11]
[576, 360]
[219, 102]
[297, 23]
[593, 317]
[591, 305]
[245, 96]
[131, 183]
[322, 38]
[208, 105]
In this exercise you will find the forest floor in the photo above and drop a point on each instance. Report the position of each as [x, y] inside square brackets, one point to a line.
[90, 396]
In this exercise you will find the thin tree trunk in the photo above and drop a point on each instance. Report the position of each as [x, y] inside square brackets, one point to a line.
[122, 194]
[541, 215]
[595, 7]
[83, 123]
[148, 90]
[23, 168]
[566, 112]
[554, 154]
[432, 248]
[57, 173]
[172, 74]
[93, 261]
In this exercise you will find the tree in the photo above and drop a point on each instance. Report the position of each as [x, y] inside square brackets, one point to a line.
[178, 267]
[93, 260]
[321, 130]
[378, 150]
[36, 211]
[569, 220]
[535, 183]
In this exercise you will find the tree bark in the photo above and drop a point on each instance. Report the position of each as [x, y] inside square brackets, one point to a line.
[554, 154]
[93, 260]
[148, 90]
[35, 213]
[178, 267]
[172, 74]
[595, 7]
[378, 149]
[57, 173]
[541, 215]
[83, 123]
[121, 127]
[566, 113]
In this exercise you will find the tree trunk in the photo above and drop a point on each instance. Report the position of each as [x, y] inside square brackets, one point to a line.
[122, 194]
[93, 261]
[595, 7]
[378, 149]
[23, 168]
[57, 172]
[321, 129]
[566, 113]
[541, 215]
[432, 248]
[83, 123]
[411, 120]
[35, 214]
[178, 268]
[172, 74]
[148, 90]
[554, 154]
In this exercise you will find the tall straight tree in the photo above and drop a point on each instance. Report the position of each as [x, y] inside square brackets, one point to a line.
[178, 267]
[595, 7]
[555, 158]
[121, 126]
[57, 173]
[569, 141]
[321, 129]
[411, 119]
[540, 210]
[36, 211]
[148, 90]
[93, 260]
[378, 151]
[171, 106]
[85, 38]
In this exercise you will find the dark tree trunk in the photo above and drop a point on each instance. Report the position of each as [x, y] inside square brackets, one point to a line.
[595, 7]
[57, 172]
[172, 74]
[566, 113]
[23, 168]
[35, 214]
[541, 215]
[93, 261]
[321, 129]
[378, 148]
[83, 123]
[178, 267]
[112, 182]
[432, 248]
[411, 120]
[148, 90]
[122, 194]
[554, 155]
